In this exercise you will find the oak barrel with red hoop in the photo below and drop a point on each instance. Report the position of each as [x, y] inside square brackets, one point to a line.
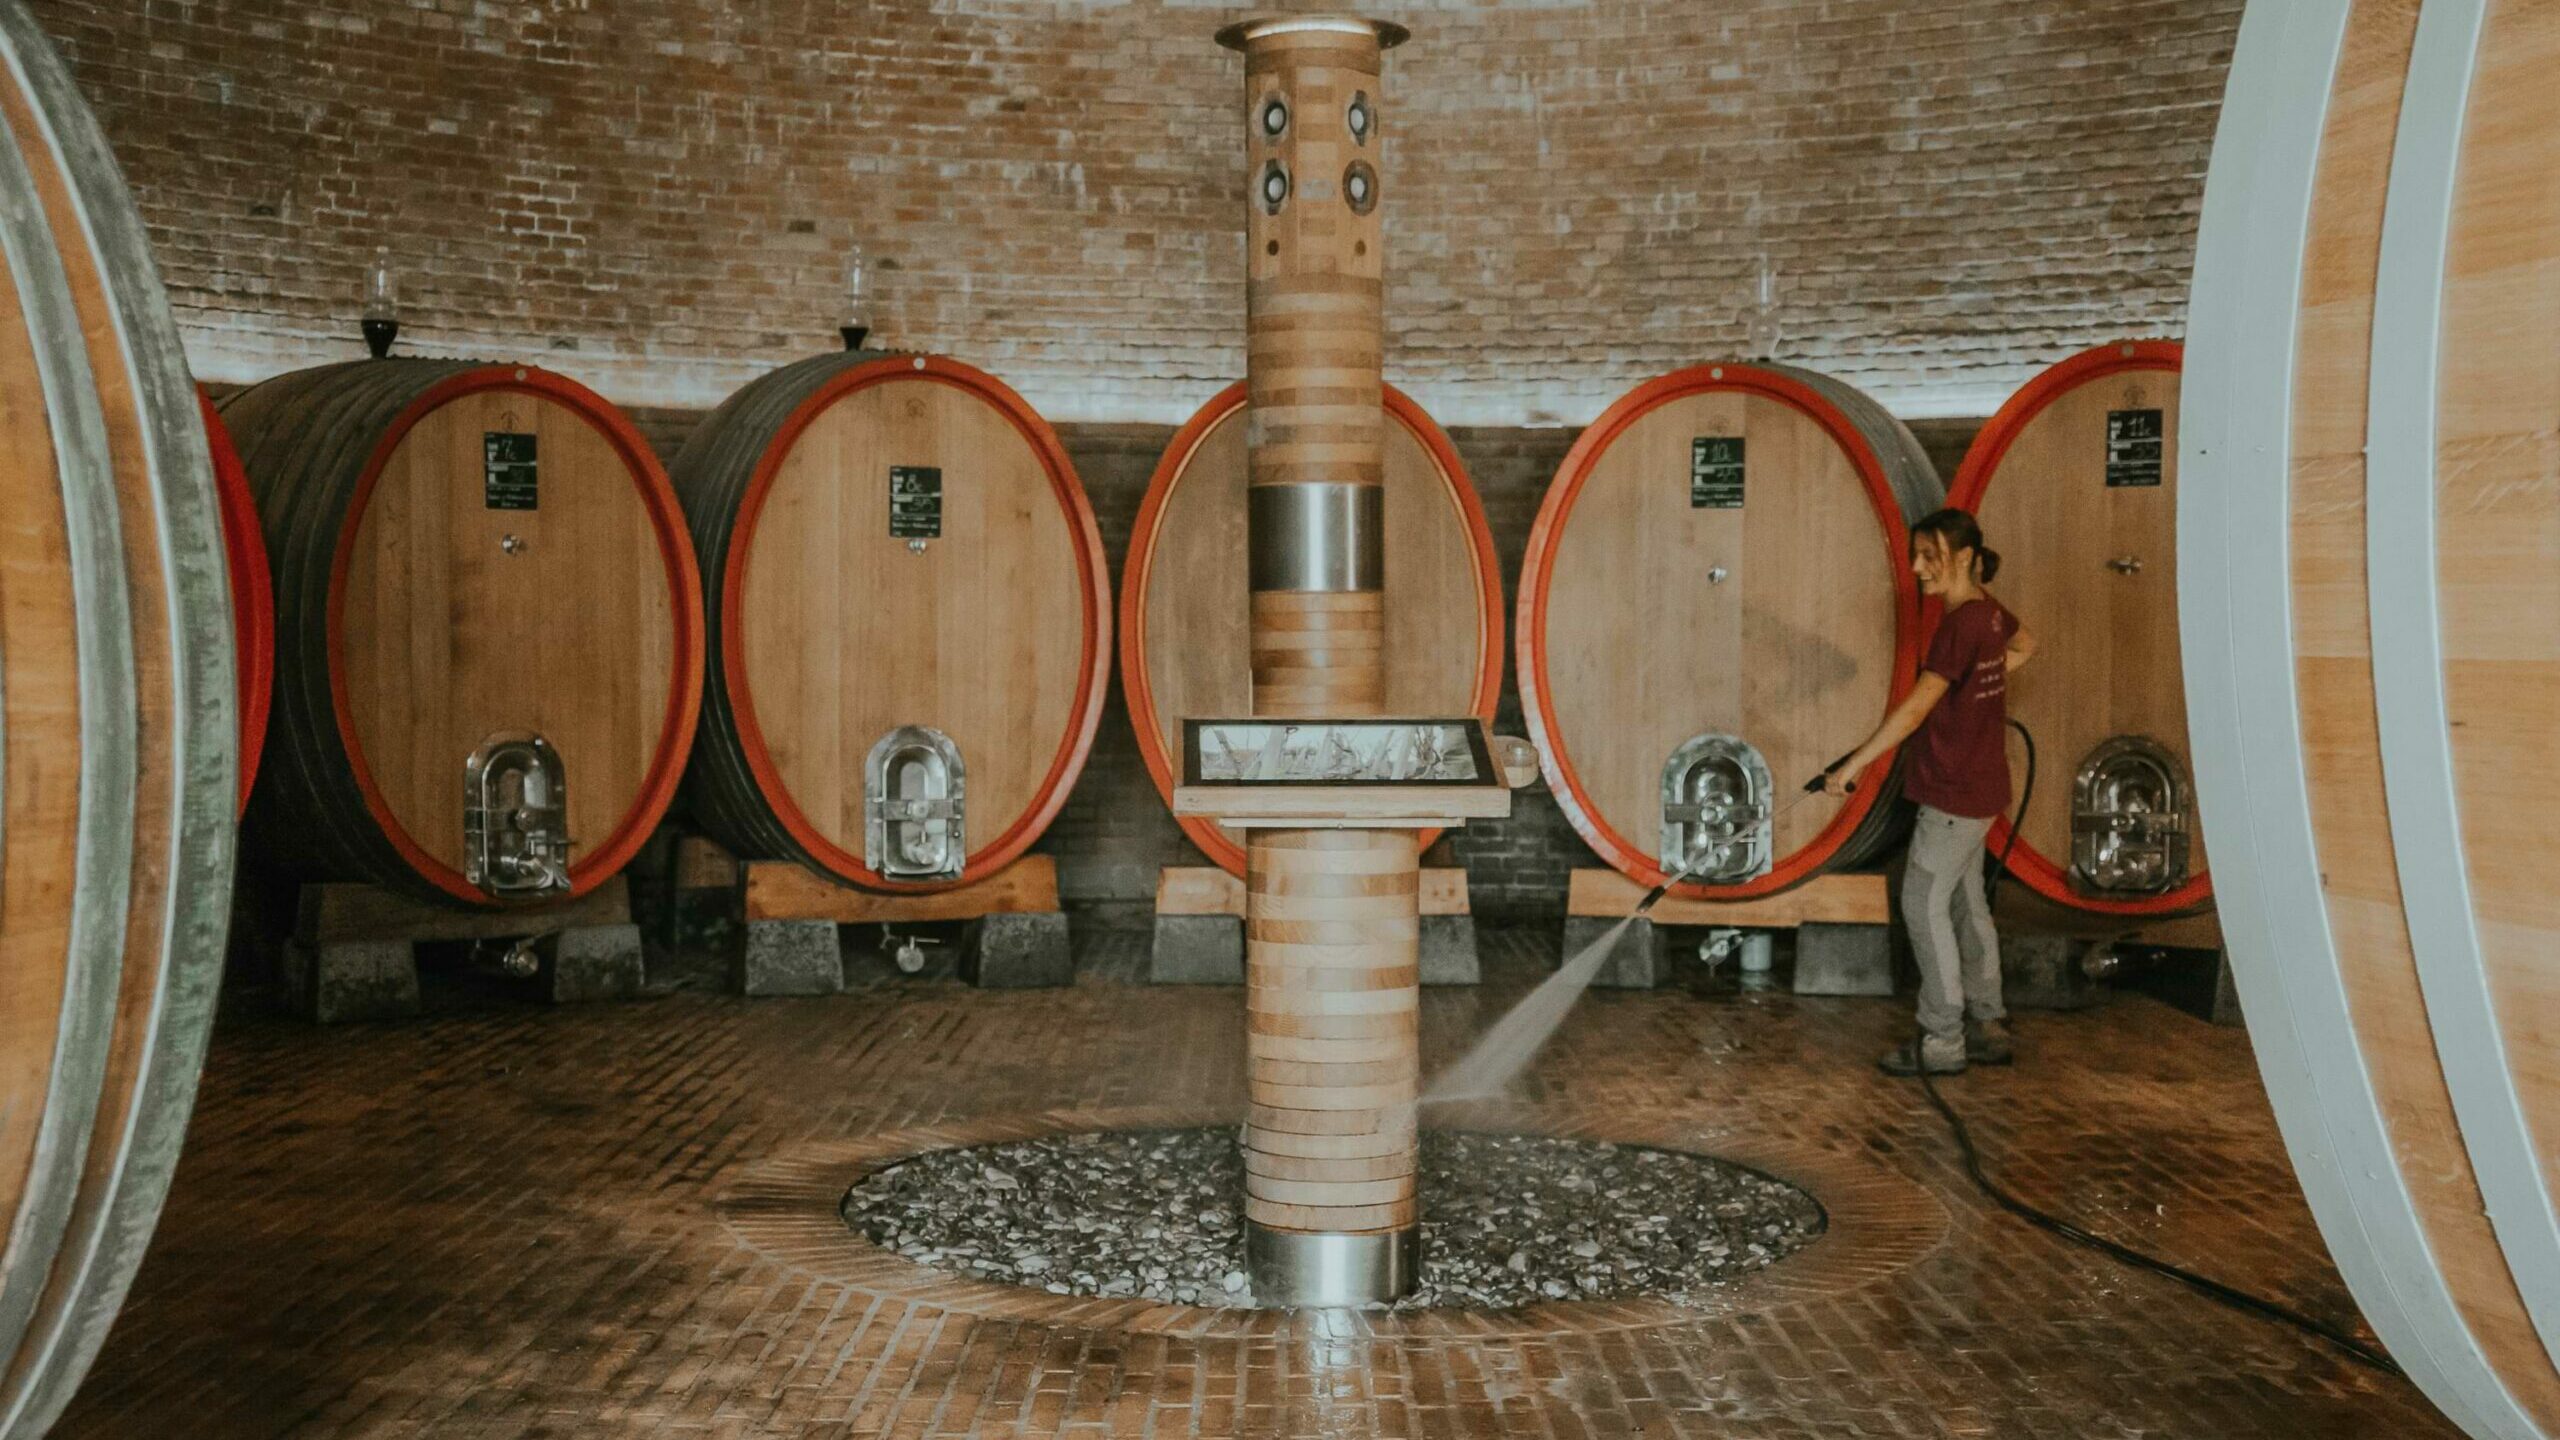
[1724, 553]
[463, 551]
[253, 596]
[890, 543]
[2075, 481]
[1183, 597]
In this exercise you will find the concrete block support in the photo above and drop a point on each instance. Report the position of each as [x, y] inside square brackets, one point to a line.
[1844, 960]
[791, 957]
[594, 962]
[1019, 950]
[1197, 950]
[2044, 972]
[2226, 993]
[344, 981]
[1635, 962]
[1449, 951]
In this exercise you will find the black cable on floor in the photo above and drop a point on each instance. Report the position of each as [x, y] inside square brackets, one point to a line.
[2354, 1348]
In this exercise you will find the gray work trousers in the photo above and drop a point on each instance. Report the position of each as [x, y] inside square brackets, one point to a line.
[1950, 926]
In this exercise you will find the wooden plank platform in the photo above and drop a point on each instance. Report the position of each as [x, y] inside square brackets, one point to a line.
[2187, 932]
[337, 914]
[1207, 890]
[781, 890]
[2019, 910]
[1844, 899]
[703, 863]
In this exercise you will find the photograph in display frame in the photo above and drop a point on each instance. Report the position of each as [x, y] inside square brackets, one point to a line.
[1270, 750]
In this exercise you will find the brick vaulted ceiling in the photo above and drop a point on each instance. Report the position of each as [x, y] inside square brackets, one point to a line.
[654, 195]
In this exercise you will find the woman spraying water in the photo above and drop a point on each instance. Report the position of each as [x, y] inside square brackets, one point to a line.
[1956, 717]
[1960, 774]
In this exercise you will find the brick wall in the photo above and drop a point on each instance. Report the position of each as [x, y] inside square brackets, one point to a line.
[656, 197]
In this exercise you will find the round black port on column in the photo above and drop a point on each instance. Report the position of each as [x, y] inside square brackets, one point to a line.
[1360, 187]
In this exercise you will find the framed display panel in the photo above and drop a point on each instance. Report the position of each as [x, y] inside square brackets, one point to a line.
[1274, 770]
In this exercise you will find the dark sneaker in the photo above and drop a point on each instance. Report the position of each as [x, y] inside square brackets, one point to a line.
[1904, 1059]
[1986, 1042]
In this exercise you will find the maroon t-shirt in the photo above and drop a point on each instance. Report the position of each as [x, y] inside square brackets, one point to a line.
[1959, 755]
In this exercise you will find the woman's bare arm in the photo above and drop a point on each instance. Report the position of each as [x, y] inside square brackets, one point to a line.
[2022, 648]
[1897, 727]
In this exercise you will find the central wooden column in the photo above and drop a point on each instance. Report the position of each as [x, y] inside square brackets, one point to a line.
[1332, 923]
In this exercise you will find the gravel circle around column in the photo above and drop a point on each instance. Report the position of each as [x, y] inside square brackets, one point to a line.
[1507, 1220]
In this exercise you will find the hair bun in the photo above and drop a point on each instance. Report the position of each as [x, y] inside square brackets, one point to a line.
[1990, 559]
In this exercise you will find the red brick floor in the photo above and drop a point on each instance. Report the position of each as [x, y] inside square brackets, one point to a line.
[518, 1222]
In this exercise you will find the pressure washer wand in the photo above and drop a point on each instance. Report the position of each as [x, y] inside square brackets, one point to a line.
[1812, 788]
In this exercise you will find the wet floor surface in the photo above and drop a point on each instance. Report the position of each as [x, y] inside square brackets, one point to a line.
[612, 1221]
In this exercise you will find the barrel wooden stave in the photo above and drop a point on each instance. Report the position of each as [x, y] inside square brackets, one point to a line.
[1185, 605]
[56, 992]
[2108, 662]
[589, 635]
[121, 702]
[2347, 395]
[1626, 649]
[996, 634]
[307, 813]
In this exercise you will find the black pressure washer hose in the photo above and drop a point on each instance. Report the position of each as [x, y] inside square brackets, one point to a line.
[2212, 1289]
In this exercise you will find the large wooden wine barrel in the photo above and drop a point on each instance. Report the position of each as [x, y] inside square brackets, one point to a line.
[253, 602]
[895, 544]
[2075, 482]
[463, 551]
[1724, 552]
[119, 734]
[1183, 611]
[2369, 587]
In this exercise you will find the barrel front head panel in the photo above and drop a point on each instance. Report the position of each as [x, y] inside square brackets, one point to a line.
[915, 806]
[2132, 810]
[515, 817]
[1717, 820]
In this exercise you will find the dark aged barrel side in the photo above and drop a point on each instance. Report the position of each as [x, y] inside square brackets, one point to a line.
[570, 610]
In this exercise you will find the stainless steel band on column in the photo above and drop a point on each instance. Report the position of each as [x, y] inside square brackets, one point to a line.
[1294, 1268]
[1322, 536]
